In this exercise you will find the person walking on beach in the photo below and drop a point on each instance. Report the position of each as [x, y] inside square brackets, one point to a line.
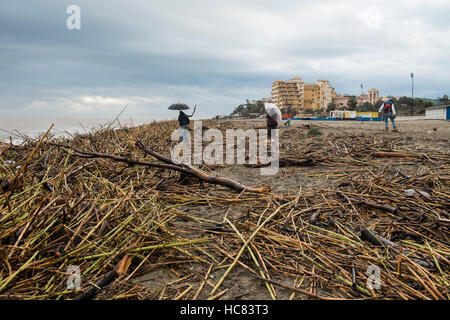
[288, 122]
[388, 111]
[271, 124]
[273, 117]
[183, 120]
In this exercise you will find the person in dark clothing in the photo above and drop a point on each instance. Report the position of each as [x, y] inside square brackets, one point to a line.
[183, 120]
[271, 124]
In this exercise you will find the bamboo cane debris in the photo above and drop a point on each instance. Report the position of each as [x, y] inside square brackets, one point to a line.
[100, 210]
[392, 154]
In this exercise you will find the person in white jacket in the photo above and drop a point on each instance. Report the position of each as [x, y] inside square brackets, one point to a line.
[388, 110]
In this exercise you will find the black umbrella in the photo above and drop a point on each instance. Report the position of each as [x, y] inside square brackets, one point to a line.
[178, 106]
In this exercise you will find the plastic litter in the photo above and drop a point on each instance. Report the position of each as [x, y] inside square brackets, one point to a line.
[412, 193]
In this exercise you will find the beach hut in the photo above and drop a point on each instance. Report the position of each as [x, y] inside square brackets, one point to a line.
[438, 113]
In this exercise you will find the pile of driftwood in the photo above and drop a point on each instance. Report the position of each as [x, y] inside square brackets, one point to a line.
[105, 207]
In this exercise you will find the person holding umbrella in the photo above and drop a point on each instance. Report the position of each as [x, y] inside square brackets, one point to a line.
[273, 117]
[183, 118]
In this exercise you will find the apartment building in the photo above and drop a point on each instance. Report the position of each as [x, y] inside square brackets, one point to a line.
[312, 97]
[298, 96]
[326, 93]
[288, 94]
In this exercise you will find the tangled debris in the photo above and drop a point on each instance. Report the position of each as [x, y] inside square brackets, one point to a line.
[77, 202]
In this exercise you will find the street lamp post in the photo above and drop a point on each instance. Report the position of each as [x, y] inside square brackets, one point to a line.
[412, 93]
[362, 95]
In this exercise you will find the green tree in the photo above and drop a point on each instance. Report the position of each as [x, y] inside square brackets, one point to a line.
[444, 100]
[367, 107]
[259, 108]
[331, 106]
[428, 104]
[352, 103]
[239, 109]
[378, 104]
[246, 109]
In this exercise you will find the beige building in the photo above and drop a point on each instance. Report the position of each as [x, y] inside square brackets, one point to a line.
[298, 96]
[373, 96]
[311, 97]
[340, 101]
[326, 93]
[288, 94]
[363, 98]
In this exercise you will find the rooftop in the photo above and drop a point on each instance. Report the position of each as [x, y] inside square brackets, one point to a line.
[438, 107]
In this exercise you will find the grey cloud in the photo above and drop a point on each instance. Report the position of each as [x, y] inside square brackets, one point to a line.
[215, 54]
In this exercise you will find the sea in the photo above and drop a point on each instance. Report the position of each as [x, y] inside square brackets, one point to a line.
[18, 129]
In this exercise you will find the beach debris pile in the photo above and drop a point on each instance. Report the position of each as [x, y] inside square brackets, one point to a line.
[76, 225]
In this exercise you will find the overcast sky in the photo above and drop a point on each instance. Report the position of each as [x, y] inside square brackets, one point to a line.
[215, 54]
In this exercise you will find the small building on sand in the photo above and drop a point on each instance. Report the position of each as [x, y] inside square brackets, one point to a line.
[438, 113]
